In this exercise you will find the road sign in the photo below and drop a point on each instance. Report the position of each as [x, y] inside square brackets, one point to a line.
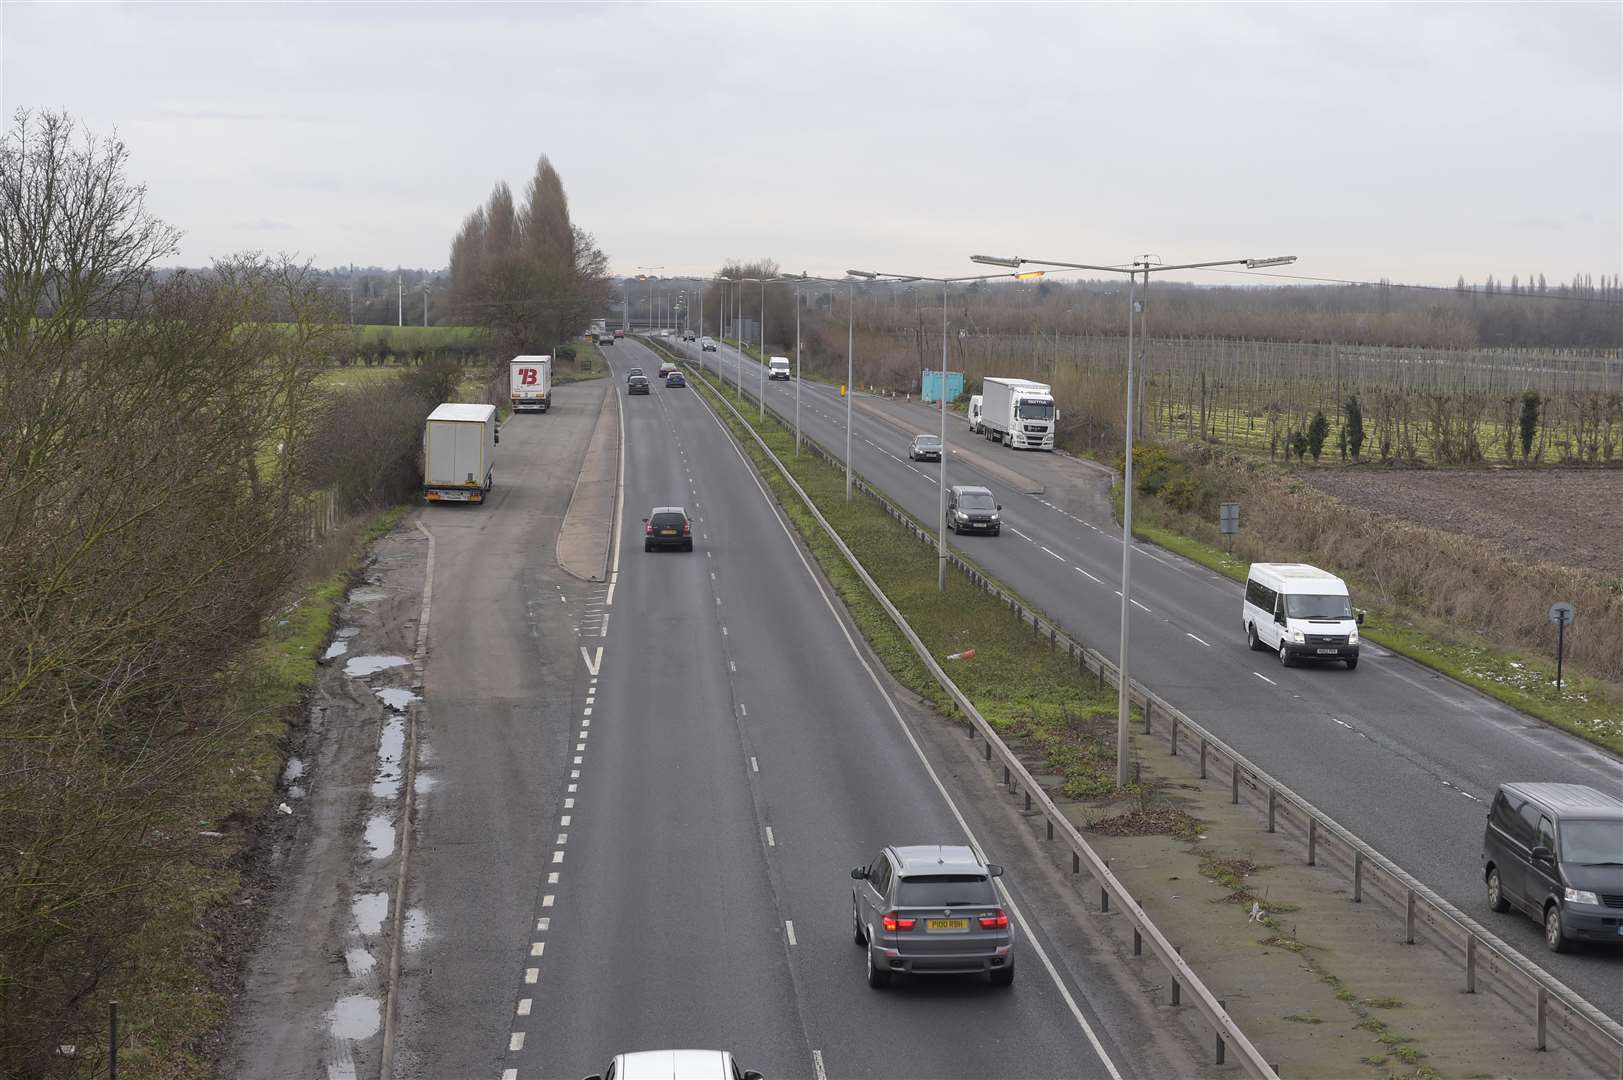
[1228, 517]
[1561, 613]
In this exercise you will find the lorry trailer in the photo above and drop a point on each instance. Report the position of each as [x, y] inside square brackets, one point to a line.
[530, 383]
[1018, 413]
[459, 452]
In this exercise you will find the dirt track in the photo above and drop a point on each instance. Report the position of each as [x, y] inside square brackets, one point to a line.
[1573, 517]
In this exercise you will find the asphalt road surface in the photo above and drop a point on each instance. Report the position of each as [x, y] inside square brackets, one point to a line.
[734, 758]
[1405, 758]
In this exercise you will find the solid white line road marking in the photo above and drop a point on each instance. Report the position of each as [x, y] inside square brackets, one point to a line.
[770, 840]
[610, 597]
[1189, 635]
[531, 975]
[790, 927]
[1056, 554]
[1089, 576]
[1264, 678]
[524, 1006]
[732, 666]
[509, 1074]
[817, 1066]
[741, 710]
[1343, 723]
[755, 766]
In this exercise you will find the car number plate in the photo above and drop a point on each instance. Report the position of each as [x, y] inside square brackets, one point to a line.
[1327, 652]
[980, 524]
[946, 924]
[667, 532]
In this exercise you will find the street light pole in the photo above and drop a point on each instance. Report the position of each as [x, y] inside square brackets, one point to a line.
[1138, 266]
[850, 371]
[760, 382]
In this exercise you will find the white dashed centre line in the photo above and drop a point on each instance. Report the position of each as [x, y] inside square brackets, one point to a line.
[1264, 678]
[1187, 634]
[532, 976]
[1056, 554]
[755, 766]
[537, 948]
[1087, 575]
[546, 901]
[557, 857]
[524, 1006]
[790, 928]
[770, 841]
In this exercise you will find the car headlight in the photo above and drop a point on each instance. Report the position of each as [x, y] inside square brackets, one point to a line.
[995, 516]
[1580, 896]
[1352, 638]
[1296, 636]
[962, 516]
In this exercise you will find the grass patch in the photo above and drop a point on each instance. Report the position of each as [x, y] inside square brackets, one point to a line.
[1383, 1003]
[1302, 1018]
[1028, 692]
[174, 1002]
[1585, 706]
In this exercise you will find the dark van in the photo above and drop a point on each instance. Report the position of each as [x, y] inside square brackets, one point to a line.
[1556, 852]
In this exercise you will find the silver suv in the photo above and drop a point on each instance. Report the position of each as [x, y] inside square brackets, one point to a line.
[930, 909]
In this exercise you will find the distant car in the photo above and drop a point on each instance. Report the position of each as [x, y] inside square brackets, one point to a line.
[605, 339]
[637, 384]
[707, 344]
[1555, 852]
[676, 1065]
[632, 373]
[619, 333]
[925, 448]
[675, 379]
[930, 909]
[973, 509]
[665, 369]
[777, 367]
[667, 526]
[689, 335]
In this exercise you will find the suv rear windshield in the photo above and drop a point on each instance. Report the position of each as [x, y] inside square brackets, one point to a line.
[944, 890]
[666, 521]
[1304, 606]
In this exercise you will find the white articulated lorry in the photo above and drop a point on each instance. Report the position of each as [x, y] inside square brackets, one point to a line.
[529, 381]
[1018, 413]
[459, 453]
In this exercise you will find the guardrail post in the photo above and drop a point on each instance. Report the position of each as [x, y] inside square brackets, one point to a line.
[1138, 942]
[1358, 877]
[1028, 802]
[1470, 964]
[1408, 922]
[1005, 776]
[1076, 863]
[1221, 1049]
[1174, 735]
[1203, 758]
[1543, 1015]
[1053, 639]
[1271, 803]
[1234, 795]
[1104, 896]
[1313, 841]
[1101, 675]
[988, 750]
[1177, 984]
[1147, 707]
[1050, 828]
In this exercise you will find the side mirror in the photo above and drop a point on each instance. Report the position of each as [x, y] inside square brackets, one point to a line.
[1000, 506]
[497, 438]
[994, 869]
[1542, 854]
[1279, 617]
[1360, 616]
[645, 521]
[594, 1076]
[859, 873]
[751, 1074]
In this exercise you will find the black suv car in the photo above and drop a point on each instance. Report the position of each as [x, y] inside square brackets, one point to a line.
[973, 509]
[637, 384]
[667, 526]
[1556, 852]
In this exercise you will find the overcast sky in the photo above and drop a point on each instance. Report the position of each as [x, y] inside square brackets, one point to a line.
[1415, 142]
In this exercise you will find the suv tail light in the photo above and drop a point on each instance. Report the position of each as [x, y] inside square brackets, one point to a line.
[997, 921]
[687, 527]
[648, 528]
[894, 921]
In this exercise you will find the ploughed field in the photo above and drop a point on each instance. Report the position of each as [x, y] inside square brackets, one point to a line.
[1573, 517]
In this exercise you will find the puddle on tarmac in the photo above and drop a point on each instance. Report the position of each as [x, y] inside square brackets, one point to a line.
[335, 650]
[347, 632]
[294, 770]
[414, 931]
[386, 782]
[366, 596]
[425, 783]
[396, 697]
[358, 666]
[355, 1016]
[369, 910]
[359, 962]
[380, 836]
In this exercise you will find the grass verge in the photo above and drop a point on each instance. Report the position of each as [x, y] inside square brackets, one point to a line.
[176, 998]
[1585, 706]
[1031, 694]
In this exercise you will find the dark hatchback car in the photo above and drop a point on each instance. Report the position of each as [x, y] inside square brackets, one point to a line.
[930, 909]
[637, 384]
[633, 373]
[1555, 851]
[667, 526]
[675, 379]
[925, 448]
[973, 509]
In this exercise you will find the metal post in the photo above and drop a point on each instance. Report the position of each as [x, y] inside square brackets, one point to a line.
[1312, 841]
[941, 500]
[1076, 863]
[1050, 828]
[1174, 735]
[797, 373]
[1560, 647]
[1177, 984]
[112, 1039]
[1147, 707]
[400, 299]
[1543, 1015]
[425, 303]
[1138, 942]
[1470, 964]
[1408, 920]
[1224, 1005]
[1271, 801]
[1358, 877]
[850, 371]
[1234, 797]
[1122, 702]
[760, 382]
[1203, 759]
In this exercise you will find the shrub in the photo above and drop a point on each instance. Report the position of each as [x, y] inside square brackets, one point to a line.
[1529, 421]
[1354, 428]
[1317, 432]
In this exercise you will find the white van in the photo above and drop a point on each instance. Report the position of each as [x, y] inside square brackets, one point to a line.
[1300, 612]
[975, 413]
[778, 368]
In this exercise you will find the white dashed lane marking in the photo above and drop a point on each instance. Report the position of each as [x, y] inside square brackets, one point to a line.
[1264, 678]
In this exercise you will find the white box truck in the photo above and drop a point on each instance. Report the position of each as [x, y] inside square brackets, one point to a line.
[777, 367]
[459, 452]
[1018, 413]
[529, 383]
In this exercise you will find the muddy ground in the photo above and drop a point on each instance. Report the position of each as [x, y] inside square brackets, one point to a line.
[1573, 517]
